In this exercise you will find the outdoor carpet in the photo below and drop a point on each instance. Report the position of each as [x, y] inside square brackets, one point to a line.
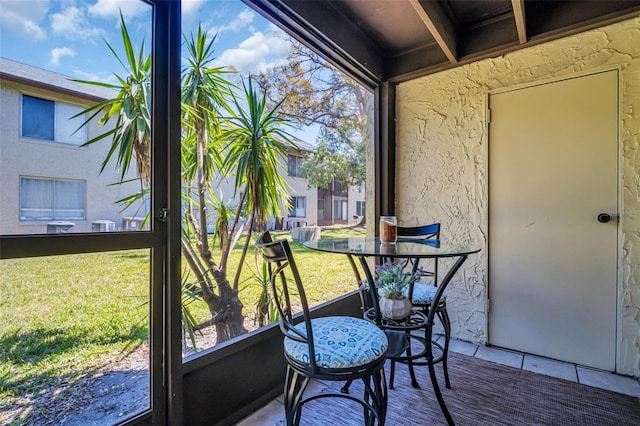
[484, 393]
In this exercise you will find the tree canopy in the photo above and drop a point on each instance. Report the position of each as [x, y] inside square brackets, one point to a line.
[340, 155]
[315, 92]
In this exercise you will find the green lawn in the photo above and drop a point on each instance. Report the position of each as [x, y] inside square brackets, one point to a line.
[62, 317]
[325, 275]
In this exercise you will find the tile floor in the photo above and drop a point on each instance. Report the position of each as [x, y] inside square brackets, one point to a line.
[272, 413]
[563, 370]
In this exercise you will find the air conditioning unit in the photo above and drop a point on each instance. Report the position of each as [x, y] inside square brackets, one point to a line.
[103, 226]
[60, 227]
[132, 223]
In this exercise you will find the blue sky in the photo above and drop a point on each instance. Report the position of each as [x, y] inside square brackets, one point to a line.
[68, 36]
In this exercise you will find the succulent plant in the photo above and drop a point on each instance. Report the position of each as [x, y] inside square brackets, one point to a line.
[391, 280]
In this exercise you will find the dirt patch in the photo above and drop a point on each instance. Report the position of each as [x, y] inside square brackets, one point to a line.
[114, 392]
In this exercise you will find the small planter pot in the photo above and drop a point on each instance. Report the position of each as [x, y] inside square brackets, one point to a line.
[395, 309]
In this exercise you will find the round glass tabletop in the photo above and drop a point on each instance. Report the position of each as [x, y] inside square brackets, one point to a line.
[402, 248]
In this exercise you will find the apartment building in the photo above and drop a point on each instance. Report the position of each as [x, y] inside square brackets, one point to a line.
[49, 182]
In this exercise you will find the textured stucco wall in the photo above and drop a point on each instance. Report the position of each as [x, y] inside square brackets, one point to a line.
[442, 161]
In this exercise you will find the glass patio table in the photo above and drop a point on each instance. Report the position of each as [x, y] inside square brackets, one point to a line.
[364, 248]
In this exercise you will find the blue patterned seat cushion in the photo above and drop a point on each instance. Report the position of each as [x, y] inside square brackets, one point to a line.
[340, 342]
[424, 293]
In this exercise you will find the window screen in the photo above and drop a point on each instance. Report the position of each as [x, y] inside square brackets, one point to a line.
[294, 164]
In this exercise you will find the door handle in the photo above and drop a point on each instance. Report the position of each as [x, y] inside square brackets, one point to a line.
[606, 217]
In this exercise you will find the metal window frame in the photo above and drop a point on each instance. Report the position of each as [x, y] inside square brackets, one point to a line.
[163, 238]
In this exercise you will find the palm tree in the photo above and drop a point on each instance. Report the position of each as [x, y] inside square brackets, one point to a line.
[131, 135]
[256, 142]
[204, 93]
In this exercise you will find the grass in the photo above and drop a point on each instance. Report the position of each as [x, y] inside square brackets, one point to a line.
[326, 276]
[62, 317]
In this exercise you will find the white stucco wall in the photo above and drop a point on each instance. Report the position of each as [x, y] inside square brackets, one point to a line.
[442, 162]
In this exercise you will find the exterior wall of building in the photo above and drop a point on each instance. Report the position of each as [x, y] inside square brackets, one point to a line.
[442, 161]
[298, 188]
[38, 158]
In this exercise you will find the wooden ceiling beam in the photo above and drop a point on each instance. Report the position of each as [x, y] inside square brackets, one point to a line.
[439, 26]
[521, 23]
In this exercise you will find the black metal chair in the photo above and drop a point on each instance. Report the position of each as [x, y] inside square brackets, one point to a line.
[335, 348]
[422, 293]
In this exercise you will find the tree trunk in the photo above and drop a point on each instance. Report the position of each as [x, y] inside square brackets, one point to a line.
[232, 323]
[222, 300]
[245, 248]
[225, 307]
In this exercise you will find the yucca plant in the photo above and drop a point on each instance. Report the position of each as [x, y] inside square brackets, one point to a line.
[131, 109]
[252, 145]
[256, 140]
[204, 102]
[190, 293]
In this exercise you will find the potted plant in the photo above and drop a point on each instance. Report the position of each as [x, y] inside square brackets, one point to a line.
[393, 289]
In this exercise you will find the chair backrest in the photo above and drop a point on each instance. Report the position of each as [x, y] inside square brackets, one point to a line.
[424, 232]
[285, 283]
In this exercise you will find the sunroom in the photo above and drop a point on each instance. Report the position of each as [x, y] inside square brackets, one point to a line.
[515, 124]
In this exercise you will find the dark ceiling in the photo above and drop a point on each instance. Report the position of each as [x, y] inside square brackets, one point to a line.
[397, 40]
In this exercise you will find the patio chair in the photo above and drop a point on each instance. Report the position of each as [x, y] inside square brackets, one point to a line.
[422, 293]
[334, 348]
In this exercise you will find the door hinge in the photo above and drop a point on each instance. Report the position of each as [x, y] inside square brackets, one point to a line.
[488, 305]
[163, 214]
[489, 115]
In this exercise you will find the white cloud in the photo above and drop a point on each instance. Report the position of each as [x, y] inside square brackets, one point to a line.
[72, 23]
[241, 21]
[112, 8]
[23, 17]
[190, 7]
[102, 77]
[249, 57]
[256, 53]
[59, 52]
[278, 41]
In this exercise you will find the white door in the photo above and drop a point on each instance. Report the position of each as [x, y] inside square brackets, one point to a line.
[552, 265]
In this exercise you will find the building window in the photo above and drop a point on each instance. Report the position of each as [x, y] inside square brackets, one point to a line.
[294, 165]
[340, 209]
[52, 199]
[298, 207]
[360, 208]
[51, 121]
